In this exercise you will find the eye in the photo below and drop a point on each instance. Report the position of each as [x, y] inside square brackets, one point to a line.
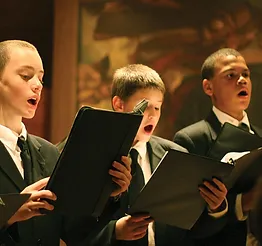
[245, 75]
[157, 108]
[25, 77]
[230, 75]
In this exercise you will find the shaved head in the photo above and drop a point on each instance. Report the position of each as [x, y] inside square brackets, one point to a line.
[5, 49]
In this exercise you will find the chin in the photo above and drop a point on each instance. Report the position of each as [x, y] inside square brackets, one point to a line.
[29, 116]
[244, 106]
[144, 138]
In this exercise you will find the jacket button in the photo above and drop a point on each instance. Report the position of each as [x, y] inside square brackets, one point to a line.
[39, 242]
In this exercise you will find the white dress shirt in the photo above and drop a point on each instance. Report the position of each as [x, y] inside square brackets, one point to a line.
[143, 161]
[9, 139]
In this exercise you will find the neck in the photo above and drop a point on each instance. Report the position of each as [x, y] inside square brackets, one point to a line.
[135, 142]
[236, 115]
[13, 124]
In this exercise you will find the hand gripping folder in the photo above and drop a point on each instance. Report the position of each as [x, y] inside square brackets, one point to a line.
[98, 137]
[9, 204]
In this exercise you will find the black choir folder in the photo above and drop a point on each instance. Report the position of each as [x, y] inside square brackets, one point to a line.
[9, 204]
[231, 139]
[80, 179]
[171, 195]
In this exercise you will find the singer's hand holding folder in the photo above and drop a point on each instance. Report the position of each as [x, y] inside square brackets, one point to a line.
[80, 179]
[9, 204]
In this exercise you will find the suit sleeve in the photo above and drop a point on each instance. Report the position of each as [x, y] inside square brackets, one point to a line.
[90, 231]
[106, 236]
[185, 141]
[9, 236]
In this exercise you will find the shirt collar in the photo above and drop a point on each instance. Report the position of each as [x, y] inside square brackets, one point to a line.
[223, 118]
[9, 137]
[141, 148]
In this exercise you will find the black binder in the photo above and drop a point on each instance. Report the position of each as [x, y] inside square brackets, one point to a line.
[9, 204]
[171, 195]
[80, 179]
[248, 169]
[231, 139]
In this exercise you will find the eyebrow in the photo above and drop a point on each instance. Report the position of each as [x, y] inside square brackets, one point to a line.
[232, 69]
[31, 68]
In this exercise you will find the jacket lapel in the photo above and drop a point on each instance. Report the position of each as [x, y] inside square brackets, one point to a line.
[155, 153]
[9, 167]
[38, 162]
[213, 124]
[257, 130]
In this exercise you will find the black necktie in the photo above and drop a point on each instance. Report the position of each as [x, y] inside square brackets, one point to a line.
[137, 181]
[243, 126]
[26, 159]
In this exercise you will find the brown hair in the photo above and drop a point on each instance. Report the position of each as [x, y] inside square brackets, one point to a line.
[131, 78]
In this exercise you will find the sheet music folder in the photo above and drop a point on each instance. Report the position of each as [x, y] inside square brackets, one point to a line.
[9, 204]
[234, 139]
[171, 195]
[248, 169]
[80, 179]
[231, 139]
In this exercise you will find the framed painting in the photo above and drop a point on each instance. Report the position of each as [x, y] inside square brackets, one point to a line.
[94, 38]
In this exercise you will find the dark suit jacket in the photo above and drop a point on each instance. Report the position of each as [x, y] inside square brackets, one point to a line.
[197, 139]
[257, 213]
[164, 235]
[44, 230]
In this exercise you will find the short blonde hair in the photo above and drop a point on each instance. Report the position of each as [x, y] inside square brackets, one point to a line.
[5, 47]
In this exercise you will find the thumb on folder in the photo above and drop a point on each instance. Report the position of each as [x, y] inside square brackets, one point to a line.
[214, 193]
[121, 175]
[132, 227]
[31, 207]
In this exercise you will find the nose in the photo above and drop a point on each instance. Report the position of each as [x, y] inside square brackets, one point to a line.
[37, 86]
[241, 80]
[151, 114]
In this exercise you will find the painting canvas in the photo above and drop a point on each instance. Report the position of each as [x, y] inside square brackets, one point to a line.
[173, 37]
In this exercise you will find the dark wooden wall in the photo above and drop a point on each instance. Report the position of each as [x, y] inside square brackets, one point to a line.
[33, 20]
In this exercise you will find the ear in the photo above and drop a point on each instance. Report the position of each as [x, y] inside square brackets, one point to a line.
[117, 104]
[207, 87]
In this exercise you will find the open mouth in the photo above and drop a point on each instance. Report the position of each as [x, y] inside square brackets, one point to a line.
[243, 93]
[148, 128]
[32, 101]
